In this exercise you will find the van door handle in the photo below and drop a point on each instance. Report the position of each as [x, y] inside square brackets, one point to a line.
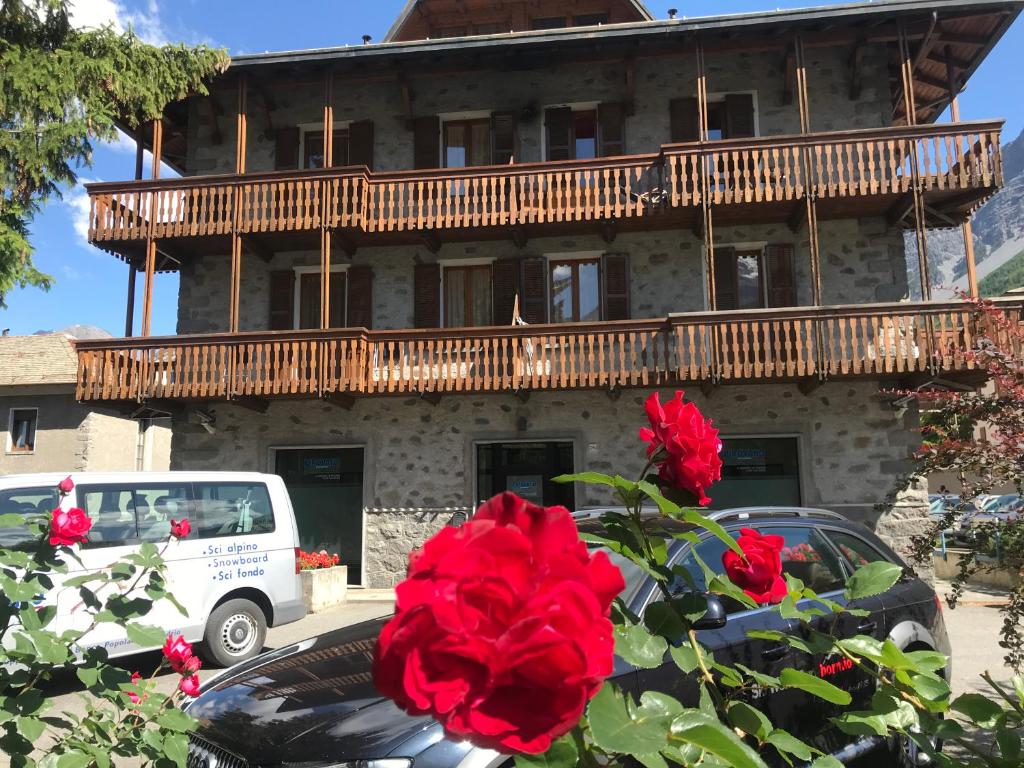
[774, 652]
[867, 626]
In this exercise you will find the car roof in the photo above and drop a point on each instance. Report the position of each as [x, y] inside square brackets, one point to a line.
[588, 520]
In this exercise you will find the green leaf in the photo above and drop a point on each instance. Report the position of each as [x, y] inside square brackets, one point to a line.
[749, 720]
[615, 729]
[662, 620]
[784, 741]
[720, 585]
[927, 661]
[862, 724]
[589, 478]
[693, 517]
[760, 678]
[872, 579]
[636, 646]
[74, 760]
[1009, 744]
[826, 761]
[31, 728]
[12, 520]
[794, 678]
[708, 733]
[176, 720]
[979, 709]
[562, 753]
[685, 657]
[176, 748]
[145, 636]
[930, 686]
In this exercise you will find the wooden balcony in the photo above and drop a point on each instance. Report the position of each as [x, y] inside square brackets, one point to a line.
[901, 341]
[850, 173]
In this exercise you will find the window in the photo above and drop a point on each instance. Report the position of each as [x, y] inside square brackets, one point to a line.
[584, 131]
[716, 120]
[754, 277]
[231, 509]
[313, 149]
[21, 437]
[749, 280]
[584, 134]
[307, 304]
[758, 468]
[467, 143]
[467, 296]
[856, 551]
[525, 468]
[575, 291]
[128, 514]
[27, 502]
[590, 19]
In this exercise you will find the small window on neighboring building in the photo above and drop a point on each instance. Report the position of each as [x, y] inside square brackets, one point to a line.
[552, 22]
[590, 19]
[313, 149]
[467, 296]
[575, 291]
[21, 436]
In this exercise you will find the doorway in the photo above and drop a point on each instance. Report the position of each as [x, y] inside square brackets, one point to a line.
[525, 468]
[758, 471]
[326, 489]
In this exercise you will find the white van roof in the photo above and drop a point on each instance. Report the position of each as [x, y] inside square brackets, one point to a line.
[52, 478]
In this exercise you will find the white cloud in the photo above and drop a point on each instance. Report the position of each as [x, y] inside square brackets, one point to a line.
[77, 203]
[88, 14]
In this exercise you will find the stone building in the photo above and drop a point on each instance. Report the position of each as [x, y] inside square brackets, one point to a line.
[419, 272]
[43, 428]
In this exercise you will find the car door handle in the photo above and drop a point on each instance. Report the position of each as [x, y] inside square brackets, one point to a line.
[774, 652]
[867, 626]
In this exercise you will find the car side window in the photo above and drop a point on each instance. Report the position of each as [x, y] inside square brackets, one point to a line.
[856, 551]
[710, 551]
[232, 509]
[112, 510]
[27, 502]
[807, 555]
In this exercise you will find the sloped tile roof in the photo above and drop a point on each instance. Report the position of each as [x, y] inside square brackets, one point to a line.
[33, 360]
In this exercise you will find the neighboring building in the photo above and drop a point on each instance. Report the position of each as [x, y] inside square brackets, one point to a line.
[43, 428]
[716, 204]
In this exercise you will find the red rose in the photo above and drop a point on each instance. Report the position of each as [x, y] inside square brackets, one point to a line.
[683, 444]
[178, 652]
[501, 628]
[68, 527]
[189, 685]
[66, 486]
[180, 528]
[760, 575]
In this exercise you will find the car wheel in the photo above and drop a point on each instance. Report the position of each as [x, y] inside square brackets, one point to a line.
[234, 632]
[905, 753]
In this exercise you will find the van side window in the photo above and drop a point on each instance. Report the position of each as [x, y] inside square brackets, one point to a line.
[112, 510]
[157, 504]
[231, 509]
[27, 502]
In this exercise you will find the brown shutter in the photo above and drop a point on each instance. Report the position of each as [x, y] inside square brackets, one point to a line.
[282, 300]
[309, 300]
[739, 115]
[286, 149]
[615, 286]
[781, 281]
[684, 119]
[360, 143]
[426, 142]
[504, 283]
[339, 290]
[558, 124]
[427, 296]
[726, 289]
[503, 137]
[533, 287]
[611, 118]
[360, 296]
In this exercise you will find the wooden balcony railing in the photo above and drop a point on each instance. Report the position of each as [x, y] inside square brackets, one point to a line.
[877, 340]
[846, 164]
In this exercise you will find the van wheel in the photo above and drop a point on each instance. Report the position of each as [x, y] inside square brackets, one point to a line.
[235, 632]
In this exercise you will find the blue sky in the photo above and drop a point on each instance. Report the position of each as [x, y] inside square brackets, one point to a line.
[91, 286]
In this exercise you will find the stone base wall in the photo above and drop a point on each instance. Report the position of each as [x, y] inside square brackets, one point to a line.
[852, 443]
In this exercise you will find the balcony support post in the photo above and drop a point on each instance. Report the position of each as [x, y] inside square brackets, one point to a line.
[147, 291]
[907, 72]
[157, 146]
[129, 312]
[325, 232]
[810, 172]
[966, 227]
[241, 125]
[241, 152]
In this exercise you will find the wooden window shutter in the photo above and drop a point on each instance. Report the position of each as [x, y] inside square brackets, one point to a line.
[611, 128]
[533, 290]
[426, 142]
[427, 296]
[360, 143]
[726, 288]
[781, 278]
[359, 279]
[615, 286]
[503, 137]
[558, 124]
[282, 300]
[739, 115]
[286, 148]
[504, 284]
[339, 291]
[309, 300]
[684, 119]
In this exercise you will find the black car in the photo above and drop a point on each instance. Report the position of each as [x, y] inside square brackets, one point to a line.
[314, 705]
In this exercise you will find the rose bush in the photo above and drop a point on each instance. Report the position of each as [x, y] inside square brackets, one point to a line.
[683, 445]
[757, 569]
[501, 628]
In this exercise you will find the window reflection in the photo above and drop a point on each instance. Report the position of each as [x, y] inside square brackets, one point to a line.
[575, 291]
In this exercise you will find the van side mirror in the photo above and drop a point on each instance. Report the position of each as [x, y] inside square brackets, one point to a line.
[715, 616]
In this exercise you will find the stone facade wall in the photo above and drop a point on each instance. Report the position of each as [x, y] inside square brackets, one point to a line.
[658, 80]
[852, 447]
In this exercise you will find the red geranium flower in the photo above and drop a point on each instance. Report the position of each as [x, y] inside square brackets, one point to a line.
[178, 652]
[180, 528]
[760, 574]
[189, 685]
[501, 628]
[683, 444]
[68, 527]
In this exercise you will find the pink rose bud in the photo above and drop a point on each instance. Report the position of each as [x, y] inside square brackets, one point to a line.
[180, 528]
[66, 486]
[189, 685]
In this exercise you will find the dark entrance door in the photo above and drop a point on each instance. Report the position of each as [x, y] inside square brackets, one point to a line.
[326, 488]
[526, 469]
[758, 471]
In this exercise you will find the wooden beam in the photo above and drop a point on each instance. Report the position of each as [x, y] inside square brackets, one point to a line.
[269, 105]
[325, 278]
[941, 216]
[340, 399]
[630, 95]
[241, 125]
[961, 38]
[609, 229]
[255, 404]
[948, 59]
[900, 210]
[257, 248]
[345, 242]
[158, 143]
[236, 280]
[431, 240]
[519, 236]
[139, 152]
[129, 312]
[430, 397]
[856, 64]
[328, 147]
[407, 98]
[147, 290]
[808, 385]
[216, 137]
[972, 269]
[797, 217]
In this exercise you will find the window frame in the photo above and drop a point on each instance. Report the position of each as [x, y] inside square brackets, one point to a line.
[308, 128]
[14, 450]
[576, 106]
[718, 97]
[466, 119]
[739, 247]
[560, 259]
[297, 293]
[465, 264]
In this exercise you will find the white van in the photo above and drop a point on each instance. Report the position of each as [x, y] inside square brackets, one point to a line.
[236, 573]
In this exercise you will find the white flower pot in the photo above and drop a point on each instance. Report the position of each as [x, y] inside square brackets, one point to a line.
[324, 588]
